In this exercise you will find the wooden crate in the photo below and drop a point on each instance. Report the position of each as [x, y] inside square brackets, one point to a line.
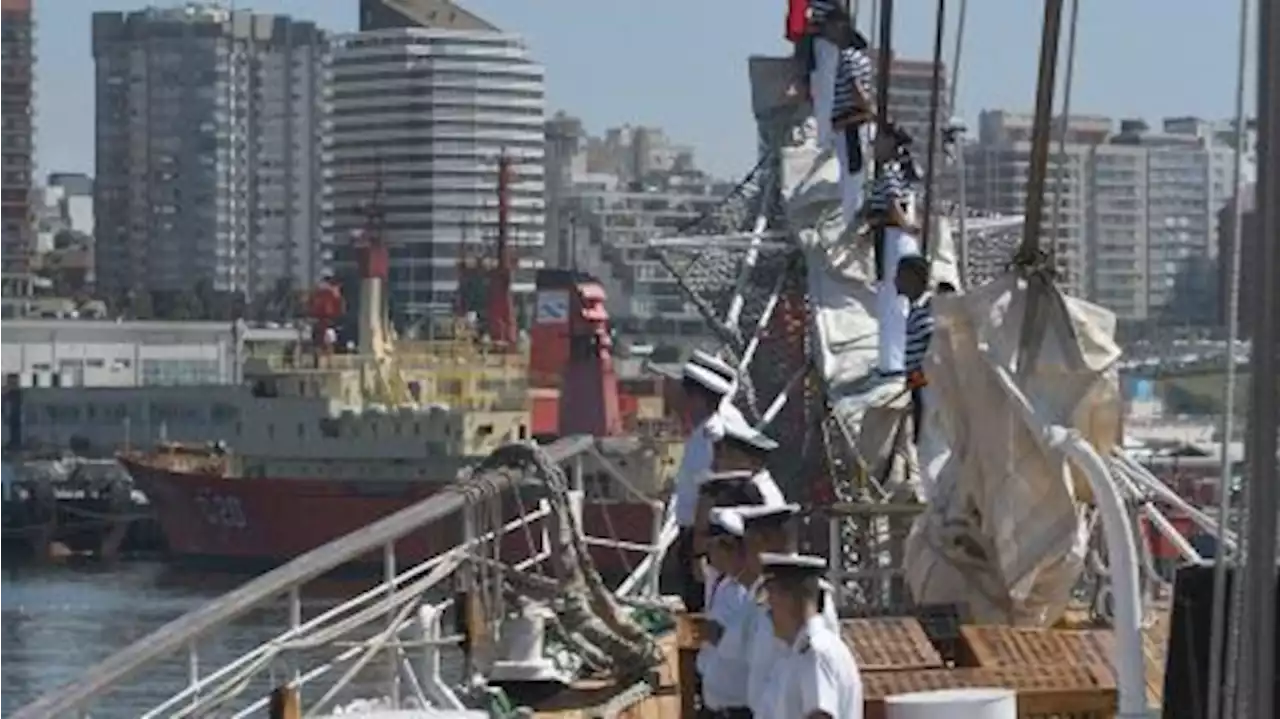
[1079, 692]
[890, 644]
[1002, 647]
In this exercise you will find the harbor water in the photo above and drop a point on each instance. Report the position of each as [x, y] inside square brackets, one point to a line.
[59, 620]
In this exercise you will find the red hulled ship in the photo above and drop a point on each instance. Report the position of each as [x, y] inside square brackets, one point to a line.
[320, 443]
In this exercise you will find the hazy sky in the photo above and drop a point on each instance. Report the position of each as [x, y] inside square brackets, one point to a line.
[680, 64]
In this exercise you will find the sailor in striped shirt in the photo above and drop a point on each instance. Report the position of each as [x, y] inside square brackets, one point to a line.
[912, 282]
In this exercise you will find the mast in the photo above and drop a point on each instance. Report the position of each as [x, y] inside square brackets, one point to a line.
[1259, 619]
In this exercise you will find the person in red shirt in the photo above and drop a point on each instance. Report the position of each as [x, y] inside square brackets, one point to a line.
[796, 30]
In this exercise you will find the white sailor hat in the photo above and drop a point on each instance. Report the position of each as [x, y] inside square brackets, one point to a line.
[711, 372]
[766, 514]
[792, 566]
[724, 521]
[737, 430]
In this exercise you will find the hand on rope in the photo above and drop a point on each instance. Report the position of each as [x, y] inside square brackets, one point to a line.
[916, 379]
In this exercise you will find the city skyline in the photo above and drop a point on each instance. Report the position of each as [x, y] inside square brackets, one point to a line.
[695, 102]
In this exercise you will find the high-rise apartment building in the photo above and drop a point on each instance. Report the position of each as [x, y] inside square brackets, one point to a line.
[209, 127]
[1135, 228]
[420, 117]
[17, 143]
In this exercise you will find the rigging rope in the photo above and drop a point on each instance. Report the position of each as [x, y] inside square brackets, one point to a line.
[935, 91]
[1061, 160]
[1222, 627]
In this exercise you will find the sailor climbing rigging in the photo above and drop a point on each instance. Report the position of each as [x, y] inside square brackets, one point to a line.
[912, 282]
[886, 211]
[850, 115]
[816, 675]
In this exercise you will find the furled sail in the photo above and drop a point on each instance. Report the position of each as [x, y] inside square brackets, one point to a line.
[1004, 533]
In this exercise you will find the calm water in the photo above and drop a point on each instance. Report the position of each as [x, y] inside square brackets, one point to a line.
[59, 620]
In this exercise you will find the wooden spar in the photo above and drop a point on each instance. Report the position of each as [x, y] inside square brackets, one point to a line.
[1040, 130]
[179, 633]
[1257, 671]
[935, 91]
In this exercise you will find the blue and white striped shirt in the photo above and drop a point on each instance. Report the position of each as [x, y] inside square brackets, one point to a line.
[853, 74]
[890, 187]
[919, 333]
[819, 10]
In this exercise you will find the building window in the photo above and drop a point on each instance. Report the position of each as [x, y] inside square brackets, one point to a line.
[179, 372]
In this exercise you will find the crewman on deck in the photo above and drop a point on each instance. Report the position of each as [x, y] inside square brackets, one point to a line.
[734, 488]
[816, 675]
[766, 529]
[740, 456]
[724, 677]
[708, 385]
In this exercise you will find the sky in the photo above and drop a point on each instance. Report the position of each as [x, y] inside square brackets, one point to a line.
[681, 64]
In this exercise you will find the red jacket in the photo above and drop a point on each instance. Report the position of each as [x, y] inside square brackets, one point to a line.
[797, 19]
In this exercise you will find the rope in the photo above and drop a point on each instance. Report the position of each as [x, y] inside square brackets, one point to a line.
[588, 613]
[1222, 625]
[1062, 134]
[935, 90]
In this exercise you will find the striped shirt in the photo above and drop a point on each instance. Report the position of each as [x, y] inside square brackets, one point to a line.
[853, 74]
[919, 333]
[819, 10]
[890, 187]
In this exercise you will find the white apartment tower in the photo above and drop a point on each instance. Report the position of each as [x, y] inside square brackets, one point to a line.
[208, 127]
[419, 118]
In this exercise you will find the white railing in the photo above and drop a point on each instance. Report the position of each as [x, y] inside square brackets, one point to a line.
[305, 652]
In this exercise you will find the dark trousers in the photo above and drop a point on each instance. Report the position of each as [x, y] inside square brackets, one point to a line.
[853, 143]
[691, 590]
[804, 56]
[917, 412]
[733, 713]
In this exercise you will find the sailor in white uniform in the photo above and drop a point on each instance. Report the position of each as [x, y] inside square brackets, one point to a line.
[816, 676]
[767, 529]
[740, 457]
[724, 678]
[708, 384]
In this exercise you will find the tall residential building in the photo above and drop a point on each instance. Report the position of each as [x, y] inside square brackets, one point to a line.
[1250, 272]
[1135, 230]
[420, 118]
[996, 168]
[209, 126]
[17, 142]
[608, 222]
[910, 92]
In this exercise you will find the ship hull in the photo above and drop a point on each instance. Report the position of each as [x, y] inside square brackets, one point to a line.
[263, 521]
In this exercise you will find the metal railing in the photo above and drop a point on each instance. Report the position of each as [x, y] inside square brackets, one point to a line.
[306, 651]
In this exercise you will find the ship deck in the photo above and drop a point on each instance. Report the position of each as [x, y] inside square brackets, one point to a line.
[585, 698]
[1058, 672]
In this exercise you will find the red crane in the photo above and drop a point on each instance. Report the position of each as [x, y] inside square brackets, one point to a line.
[497, 270]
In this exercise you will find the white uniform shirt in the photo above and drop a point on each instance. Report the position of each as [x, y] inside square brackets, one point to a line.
[699, 452]
[756, 641]
[724, 681]
[816, 673]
